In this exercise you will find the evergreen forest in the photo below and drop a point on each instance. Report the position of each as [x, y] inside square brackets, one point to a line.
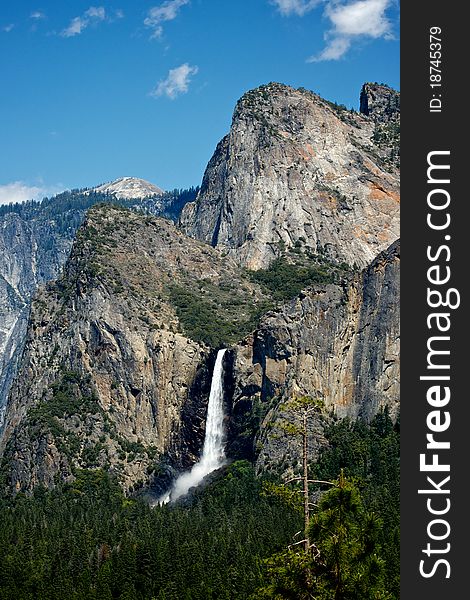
[232, 539]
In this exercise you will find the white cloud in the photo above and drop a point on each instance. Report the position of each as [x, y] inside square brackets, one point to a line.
[295, 7]
[365, 17]
[157, 15]
[19, 191]
[351, 22]
[95, 14]
[37, 14]
[77, 25]
[176, 83]
[335, 49]
[8, 28]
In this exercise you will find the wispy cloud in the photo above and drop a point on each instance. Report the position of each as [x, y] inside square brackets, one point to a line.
[176, 83]
[353, 22]
[37, 15]
[92, 16]
[97, 12]
[295, 7]
[167, 11]
[19, 191]
[349, 22]
[8, 28]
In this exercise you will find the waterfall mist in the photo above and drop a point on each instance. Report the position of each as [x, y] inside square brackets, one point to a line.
[213, 454]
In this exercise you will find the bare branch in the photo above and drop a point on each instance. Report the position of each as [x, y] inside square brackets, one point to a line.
[320, 481]
[297, 543]
[293, 479]
[308, 481]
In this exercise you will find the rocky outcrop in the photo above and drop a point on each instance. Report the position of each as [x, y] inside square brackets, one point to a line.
[107, 377]
[380, 102]
[296, 168]
[337, 343]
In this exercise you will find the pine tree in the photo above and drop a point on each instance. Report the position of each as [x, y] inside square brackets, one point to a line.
[341, 562]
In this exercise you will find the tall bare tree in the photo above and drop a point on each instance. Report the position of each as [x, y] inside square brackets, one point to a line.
[302, 409]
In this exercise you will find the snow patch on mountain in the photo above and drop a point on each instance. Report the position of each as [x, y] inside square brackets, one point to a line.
[129, 187]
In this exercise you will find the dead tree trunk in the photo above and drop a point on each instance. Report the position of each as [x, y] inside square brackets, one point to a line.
[305, 481]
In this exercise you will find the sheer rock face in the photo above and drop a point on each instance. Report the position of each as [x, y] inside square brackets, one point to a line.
[31, 253]
[106, 378]
[295, 167]
[336, 343]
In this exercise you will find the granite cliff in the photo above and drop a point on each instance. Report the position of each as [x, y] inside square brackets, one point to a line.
[32, 251]
[295, 167]
[338, 343]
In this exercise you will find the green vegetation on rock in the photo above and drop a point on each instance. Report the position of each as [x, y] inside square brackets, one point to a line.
[221, 313]
[218, 315]
[289, 274]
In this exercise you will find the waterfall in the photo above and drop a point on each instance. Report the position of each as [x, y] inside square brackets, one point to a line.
[213, 455]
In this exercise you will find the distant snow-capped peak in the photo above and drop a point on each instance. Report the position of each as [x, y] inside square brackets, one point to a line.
[129, 187]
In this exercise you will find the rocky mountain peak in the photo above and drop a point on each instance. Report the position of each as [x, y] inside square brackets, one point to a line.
[295, 168]
[272, 104]
[380, 102]
[129, 187]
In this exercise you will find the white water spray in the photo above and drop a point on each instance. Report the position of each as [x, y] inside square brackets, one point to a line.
[213, 455]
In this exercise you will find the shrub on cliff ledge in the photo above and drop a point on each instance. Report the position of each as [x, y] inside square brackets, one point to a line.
[286, 278]
[218, 315]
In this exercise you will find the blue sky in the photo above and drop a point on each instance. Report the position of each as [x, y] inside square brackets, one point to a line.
[94, 91]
